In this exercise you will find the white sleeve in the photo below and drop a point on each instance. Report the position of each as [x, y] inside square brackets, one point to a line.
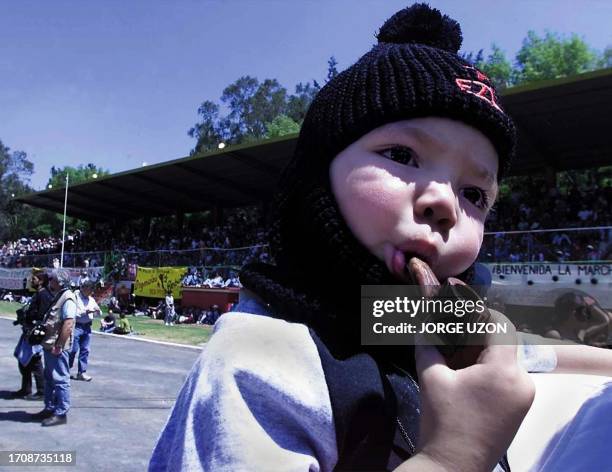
[535, 353]
[94, 305]
[80, 307]
[567, 426]
[256, 399]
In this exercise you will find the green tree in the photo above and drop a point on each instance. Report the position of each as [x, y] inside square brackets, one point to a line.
[50, 224]
[251, 105]
[78, 174]
[472, 58]
[552, 56]
[281, 126]
[209, 132]
[332, 70]
[269, 101]
[15, 172]
[540, 58]
[497, 67]
[298, 103]
[606, 58]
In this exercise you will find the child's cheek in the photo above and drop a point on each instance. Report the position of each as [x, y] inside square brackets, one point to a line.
[373, 202]
[463, 249]
[459, 261]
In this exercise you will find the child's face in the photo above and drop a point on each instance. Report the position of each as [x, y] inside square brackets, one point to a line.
[418, 187]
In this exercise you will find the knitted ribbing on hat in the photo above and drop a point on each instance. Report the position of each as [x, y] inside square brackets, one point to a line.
[396, 82]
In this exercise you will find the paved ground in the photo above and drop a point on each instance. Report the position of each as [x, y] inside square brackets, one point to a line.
[115, 419]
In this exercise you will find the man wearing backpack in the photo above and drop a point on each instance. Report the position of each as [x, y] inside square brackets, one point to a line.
[57, 343]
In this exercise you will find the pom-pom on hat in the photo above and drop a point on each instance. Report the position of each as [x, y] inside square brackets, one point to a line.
[420, 24]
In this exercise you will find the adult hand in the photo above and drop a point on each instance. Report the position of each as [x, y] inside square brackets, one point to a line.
[470, 416]
[474, 399]
[56, 350]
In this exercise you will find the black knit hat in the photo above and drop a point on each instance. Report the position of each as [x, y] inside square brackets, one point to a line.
[412, 72]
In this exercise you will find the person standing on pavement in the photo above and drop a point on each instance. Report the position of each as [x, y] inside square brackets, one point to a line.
[87, 308]
[57, 343]
[29, 357]
[169, 318]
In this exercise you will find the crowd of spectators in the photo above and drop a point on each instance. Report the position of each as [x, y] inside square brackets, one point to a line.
[240, 238]
[563, 246]
[184, 315]
[203, 316]
[200, 277]
[239, 228]
[12, 252]
[537, 206]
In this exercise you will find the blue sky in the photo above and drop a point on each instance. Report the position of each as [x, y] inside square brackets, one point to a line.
[118, 83]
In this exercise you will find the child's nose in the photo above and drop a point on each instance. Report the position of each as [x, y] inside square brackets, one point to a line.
[436, 206]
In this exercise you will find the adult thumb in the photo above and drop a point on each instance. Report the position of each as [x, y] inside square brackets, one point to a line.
[430, 363]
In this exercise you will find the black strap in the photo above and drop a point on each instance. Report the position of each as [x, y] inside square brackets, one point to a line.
[504, 463]
[50, 307]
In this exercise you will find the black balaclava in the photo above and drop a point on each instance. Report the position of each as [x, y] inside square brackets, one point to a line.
[412, 72]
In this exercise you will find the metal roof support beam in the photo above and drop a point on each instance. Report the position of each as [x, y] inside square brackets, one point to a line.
[82, 214]
[126, 209]
[159, 204]
[244, 190]
[71, 206]
[176, 189]
[530, 142]
[256, 164]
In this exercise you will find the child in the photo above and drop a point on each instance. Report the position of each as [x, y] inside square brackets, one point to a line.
[398, 156]
[124, 325]
[107, 324]
[170, 313]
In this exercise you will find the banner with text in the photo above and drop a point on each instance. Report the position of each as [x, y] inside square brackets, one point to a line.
[155, 282]
[541, 283]
[14, 279]
[19, 279]
[601, 272]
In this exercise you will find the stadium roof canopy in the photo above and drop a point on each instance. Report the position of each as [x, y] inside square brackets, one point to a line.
[563, 124]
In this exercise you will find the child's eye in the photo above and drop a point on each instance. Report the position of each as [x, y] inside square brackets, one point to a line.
[477, 197]
[402, 155]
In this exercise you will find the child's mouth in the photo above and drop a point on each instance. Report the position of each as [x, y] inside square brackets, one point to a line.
[397, 264]
[397, 259]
